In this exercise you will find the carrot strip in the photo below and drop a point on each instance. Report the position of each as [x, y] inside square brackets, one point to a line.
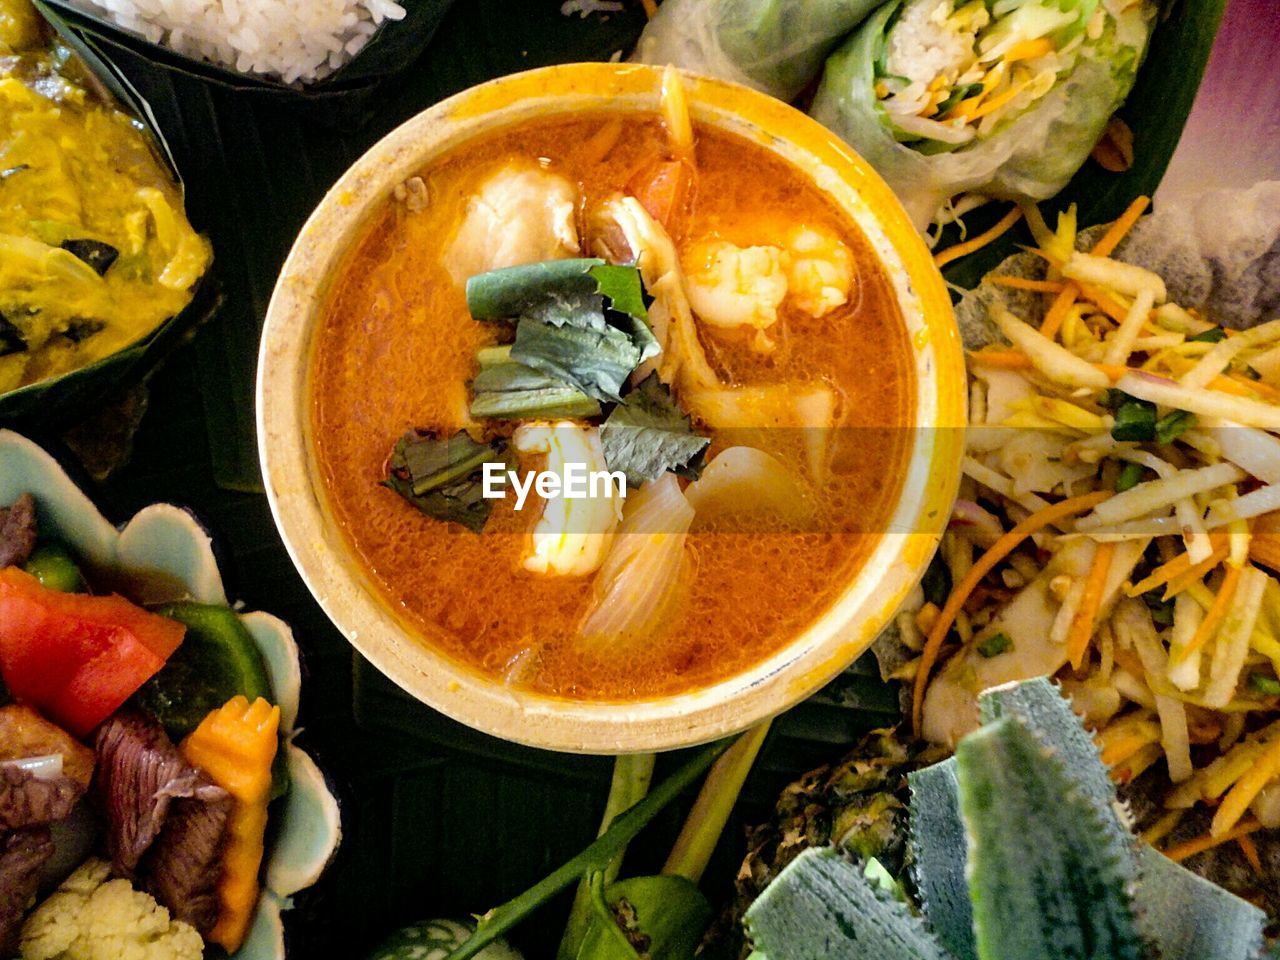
[1107, 244]
[1242, 387]
[1023, 283]
[1105, 303]
[1170, 569]
[1195, 573]
[1234, 805]
[1082, 623]
[1061, 306]
[1213, 616]
[984, 565]
[1004, 359]
[1190, 848]
[980, 241]
[1250, 851]
[235, 746]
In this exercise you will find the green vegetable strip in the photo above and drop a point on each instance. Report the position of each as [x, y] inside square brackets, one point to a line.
[632, 774]
[595, 857]
[715, 802]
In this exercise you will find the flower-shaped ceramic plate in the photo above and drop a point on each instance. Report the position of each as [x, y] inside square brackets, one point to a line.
[165, 546]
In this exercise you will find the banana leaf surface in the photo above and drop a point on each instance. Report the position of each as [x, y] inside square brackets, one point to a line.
[439, 820]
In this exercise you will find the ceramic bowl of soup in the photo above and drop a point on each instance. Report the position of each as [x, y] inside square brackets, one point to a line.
[676, 285]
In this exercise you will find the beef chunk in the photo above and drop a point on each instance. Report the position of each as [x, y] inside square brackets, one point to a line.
[139, 774]
[166, 821]
[27, 801]
[17, 531]
[22, 854]
[184, 864]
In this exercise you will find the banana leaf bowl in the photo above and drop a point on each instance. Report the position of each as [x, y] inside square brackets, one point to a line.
[167, 554]
[61, 400]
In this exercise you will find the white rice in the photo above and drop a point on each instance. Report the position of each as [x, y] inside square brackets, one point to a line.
[296, 41]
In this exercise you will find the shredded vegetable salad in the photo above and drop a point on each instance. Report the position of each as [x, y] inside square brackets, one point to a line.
[1119, 528]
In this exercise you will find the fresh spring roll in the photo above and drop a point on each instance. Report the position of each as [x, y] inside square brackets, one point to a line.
[1003, 98]
[776, 46]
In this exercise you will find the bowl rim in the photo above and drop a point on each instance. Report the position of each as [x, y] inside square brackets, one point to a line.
[345, 591]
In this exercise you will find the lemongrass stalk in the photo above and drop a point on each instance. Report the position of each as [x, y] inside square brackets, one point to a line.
[632, 774]
[711, 810]
[597, 856]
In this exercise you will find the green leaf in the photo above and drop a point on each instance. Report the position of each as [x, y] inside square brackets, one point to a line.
[581, 321]
[1040, 705]
[1191, 918]
[660, 918]
[1047, 879]
[648, 434]
[442, 478]
[940, 852]
[507, 390]
[1212, 335]
[822, 907]
[596, 361]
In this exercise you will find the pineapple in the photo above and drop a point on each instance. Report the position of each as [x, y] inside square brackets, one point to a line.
[1019, 850]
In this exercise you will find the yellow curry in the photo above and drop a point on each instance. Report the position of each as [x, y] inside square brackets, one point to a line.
[95, 247]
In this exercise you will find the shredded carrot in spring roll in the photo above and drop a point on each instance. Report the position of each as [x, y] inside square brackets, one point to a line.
[984, 565]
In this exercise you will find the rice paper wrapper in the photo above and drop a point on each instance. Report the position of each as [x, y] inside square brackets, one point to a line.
[1030, 157]
[775, 46]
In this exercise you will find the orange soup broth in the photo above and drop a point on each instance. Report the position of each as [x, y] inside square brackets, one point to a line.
[397, 346]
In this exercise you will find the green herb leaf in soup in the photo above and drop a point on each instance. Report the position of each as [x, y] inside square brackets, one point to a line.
[648, 434]
[443, 478]
[582, 321]
[507, 390]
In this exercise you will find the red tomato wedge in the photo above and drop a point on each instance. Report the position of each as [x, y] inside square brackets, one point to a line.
[74, 657]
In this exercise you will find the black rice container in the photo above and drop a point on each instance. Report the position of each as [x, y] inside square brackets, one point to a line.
[340, 100]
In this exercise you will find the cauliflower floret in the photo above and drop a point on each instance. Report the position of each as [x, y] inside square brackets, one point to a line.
[732, 286]
[522, 214]
[92, 917]
[573, 534]
[820, 271]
